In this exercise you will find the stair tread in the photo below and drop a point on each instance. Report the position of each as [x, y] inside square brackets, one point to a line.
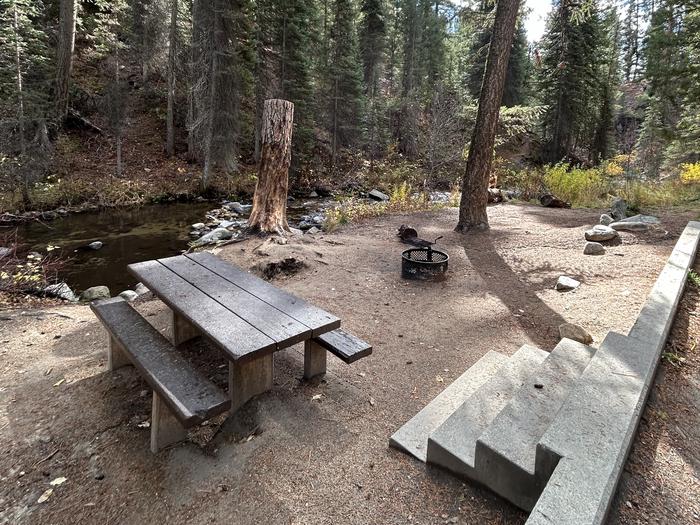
[412, 437]
[515, 431]
[453, 444]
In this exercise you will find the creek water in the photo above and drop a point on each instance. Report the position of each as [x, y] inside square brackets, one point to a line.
[128, 235]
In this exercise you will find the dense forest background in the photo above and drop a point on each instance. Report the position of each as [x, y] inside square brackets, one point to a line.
[171, 92]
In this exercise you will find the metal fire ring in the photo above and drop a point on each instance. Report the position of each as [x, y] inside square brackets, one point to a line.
[423, 264]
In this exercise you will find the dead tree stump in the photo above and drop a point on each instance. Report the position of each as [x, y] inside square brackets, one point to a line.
[269, 213]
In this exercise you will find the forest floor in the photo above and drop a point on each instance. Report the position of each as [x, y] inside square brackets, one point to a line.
[317, 452]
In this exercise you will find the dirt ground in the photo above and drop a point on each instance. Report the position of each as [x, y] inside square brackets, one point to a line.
[291, 457]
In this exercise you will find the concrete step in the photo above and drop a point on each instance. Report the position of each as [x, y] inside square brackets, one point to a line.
[453, 444]
[505, 452]
[412, 437]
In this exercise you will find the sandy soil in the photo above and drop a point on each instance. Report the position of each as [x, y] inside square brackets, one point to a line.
[287, 456]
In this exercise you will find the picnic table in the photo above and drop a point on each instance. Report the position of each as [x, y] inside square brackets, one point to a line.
[247, 318]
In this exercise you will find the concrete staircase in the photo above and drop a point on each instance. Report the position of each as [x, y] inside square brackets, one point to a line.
[550, 432]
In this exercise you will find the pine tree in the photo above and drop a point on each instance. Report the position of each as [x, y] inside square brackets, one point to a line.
[344, 79]
[372, 47]
[569, 80]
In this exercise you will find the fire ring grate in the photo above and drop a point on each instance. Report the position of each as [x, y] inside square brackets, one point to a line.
[423, 264]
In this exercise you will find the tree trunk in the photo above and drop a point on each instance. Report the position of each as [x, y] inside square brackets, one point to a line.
[269, 213]
[172, 55]
[64, 54]
[18, 79]
[472, 207]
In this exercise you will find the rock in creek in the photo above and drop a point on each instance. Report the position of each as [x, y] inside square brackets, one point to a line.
[5, 252]
[238, 207]
[198, 226]
[564, 284]
[128, 295]
[575, 332]
[62, 291]
[618, 209]
[629, 226]
[606, 219]
[219, 234]
[95, 245]
[94, 293]
[593, 248]
[600, 232]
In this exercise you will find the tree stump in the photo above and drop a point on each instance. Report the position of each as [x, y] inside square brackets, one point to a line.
[269, 213]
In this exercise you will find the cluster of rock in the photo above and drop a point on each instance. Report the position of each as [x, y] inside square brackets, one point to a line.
[222, 223]
[94, 293]
[612, 223]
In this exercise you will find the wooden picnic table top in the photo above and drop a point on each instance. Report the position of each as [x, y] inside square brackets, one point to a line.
[242, 314]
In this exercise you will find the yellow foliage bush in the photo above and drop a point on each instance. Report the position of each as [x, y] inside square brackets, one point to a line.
[690, 173]
[579, 186]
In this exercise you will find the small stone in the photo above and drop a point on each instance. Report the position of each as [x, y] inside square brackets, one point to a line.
[618, 208]
[94, 293]
[575, 332]
[564, 284]
[600, 232]
[141, 289]
[226, 224]
[313, 195]
[593, 248]
[198, 226]
[313, 230]
[62, 291]
[95, 245]
[5, 252]
[629, 226]
[378, 195]
[128, 295]
[296, 231]
[606, 219]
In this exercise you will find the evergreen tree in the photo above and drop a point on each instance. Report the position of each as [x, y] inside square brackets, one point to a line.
[344, 79]
[372, 37]
[569, 80]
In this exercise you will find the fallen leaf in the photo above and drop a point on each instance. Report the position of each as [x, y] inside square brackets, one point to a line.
[361, 374]
[58, 481]
[439, 379]
[316, 397]
[46, 495]
[144, 424]
[59, 383]
[372, 401]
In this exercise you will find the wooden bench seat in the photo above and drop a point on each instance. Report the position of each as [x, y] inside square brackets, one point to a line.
[338, 342]
[344, 345]
[182, 396]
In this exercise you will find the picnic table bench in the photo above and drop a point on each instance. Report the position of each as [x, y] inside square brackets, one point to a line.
[247, 318]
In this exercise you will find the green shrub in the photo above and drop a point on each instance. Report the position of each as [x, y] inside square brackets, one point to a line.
[579, 186]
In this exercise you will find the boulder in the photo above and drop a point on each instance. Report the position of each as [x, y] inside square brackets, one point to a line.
[575, 332]
[606, 219]
[564, 284]
[646, 219]
[226, 224]
[128, 295]
[95, 245]
[141, 289]
[219, 234]
[618, 208]
[378, 196]
[94, 293]
[600, 232]
[629, 226]
[235, 207]
[593, 248]
[62, 291]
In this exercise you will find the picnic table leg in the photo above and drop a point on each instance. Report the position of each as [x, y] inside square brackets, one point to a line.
[183, 330]
[116, 357]
[246, 380]
[165, 428]
[314, 359]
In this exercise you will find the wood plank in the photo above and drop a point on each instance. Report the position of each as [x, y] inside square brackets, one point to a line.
[188, 393]
[344, 345]
[318, 320]
[275, 324]
[238, 339]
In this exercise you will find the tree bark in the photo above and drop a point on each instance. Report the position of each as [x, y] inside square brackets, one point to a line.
[269, 213]
[472, 207]
[64, 54]
[172, 54]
